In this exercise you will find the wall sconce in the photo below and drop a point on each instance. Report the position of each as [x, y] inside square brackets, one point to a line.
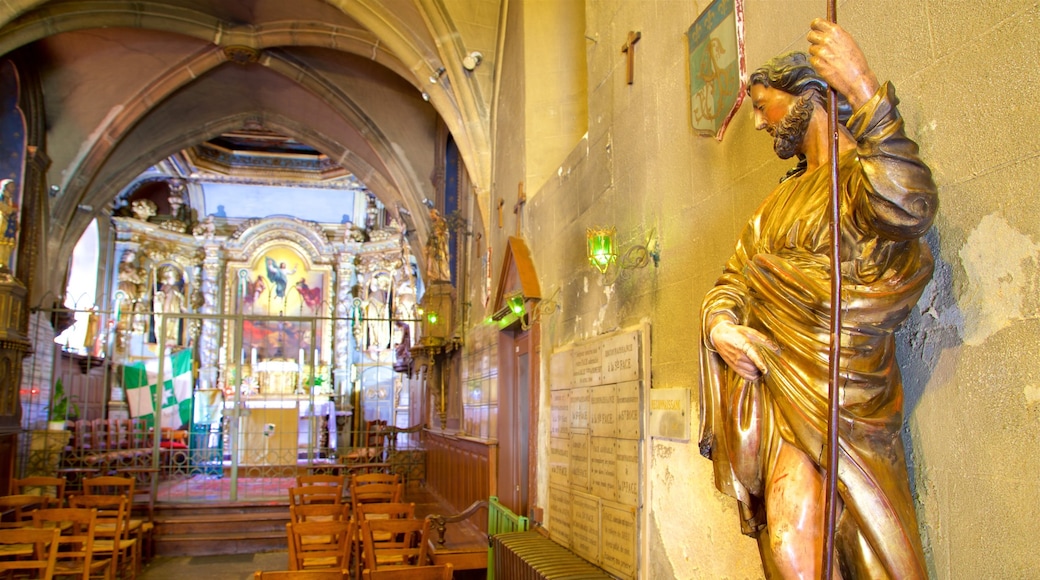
[432, 317]
[517, 305]
[603, 250]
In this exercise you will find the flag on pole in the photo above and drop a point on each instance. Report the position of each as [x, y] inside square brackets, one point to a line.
[139, 382]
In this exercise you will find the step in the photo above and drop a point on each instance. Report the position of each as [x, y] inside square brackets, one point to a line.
[204, 544]
[215, 529]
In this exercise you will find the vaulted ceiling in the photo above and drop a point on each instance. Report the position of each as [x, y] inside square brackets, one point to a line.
[368, 84]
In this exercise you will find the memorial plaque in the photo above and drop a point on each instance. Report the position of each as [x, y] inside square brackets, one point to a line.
[603, 411]
[628, 410]
[561, 370]
[579, 463]
[585, 527]
[560, 515]
[603, 467]
[559, 461]
[588, 364]
[619, 540]
[579, 409]
[670, 413]
[621, 358]
[627, 460]
[560, 413]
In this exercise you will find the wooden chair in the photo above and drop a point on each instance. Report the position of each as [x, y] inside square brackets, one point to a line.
[111, 532]
[141, 529]
[375, 493]
[405, 543]
[330, 574]
[311, 494]
[373, 447]
[29, 549]
[316, 545]
[441, 572]
[367, 478]
[21, 507]
[388, 510]
[41, 485]
[76, 543]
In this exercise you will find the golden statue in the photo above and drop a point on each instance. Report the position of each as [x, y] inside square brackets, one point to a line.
[168, 302]
[765, 324]
[8, 221]
[437, 262]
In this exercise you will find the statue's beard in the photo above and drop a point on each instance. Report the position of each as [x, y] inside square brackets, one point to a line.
[789, 133]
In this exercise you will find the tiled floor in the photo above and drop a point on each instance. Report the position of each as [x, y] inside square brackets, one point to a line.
[231, 567]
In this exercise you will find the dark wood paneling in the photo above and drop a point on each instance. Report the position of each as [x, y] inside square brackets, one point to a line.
[461, 471]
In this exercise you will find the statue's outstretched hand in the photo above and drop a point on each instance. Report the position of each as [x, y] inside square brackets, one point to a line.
[738, 346]
[838, 59]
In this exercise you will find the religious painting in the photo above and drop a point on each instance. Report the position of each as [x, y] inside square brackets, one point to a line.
[717, 67]
[279, 284]
[12, 163]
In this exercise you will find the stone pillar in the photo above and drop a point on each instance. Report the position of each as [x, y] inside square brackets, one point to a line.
[209, 341]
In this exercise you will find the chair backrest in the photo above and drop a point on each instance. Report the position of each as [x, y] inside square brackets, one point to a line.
[310, 494]
[329, 574]
[23, 505]
[321, 479]
[43, 551]
[375, 493]
[367, 478]
[325, 544]
[440, 572]
[402, 542]
[318, 512]
[41, 485]
[389, 510]
[76, 542]
[109, 485]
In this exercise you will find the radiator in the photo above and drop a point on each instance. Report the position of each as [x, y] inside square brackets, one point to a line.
[532, 556]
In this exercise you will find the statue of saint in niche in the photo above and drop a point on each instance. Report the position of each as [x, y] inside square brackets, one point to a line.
[8, 220]
[765, 324]
[167, 303]
[437, 265]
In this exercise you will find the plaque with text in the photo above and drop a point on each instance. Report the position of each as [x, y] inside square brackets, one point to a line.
[559, 460]
[560, 515]
[579, 409]
[588, 364]
[621, 358]
[627, 461]
[579, 462]
[560, 413]
[670, 413]
[619, 540]
[603, 467]
[628, 410]
[585, 527]
[561, 371]
[603, 411]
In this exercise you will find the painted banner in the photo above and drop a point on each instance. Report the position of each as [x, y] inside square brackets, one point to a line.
[139, 381]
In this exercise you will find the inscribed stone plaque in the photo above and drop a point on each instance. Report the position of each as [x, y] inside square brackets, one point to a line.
[627, 460]
[560, 413]
[628, 410]
[670, 413]
[603, 467]
[585, 527]
[560, 515]
[602, 411]
[621, 358]
[588, 364]
[559, 461]
[561, 371]
[579, 409]
[619, 540]
[579, 462]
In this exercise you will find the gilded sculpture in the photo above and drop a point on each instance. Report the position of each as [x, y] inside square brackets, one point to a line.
[765, 324]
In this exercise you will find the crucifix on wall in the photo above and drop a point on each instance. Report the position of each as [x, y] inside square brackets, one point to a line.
[629, 48]
[518, 208]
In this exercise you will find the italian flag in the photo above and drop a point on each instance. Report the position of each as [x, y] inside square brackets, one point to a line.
[140, 384]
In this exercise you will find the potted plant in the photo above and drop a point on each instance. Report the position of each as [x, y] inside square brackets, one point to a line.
[60, 407]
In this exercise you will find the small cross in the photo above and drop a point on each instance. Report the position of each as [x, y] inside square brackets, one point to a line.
[521, 200]
[501, 202]
[629, 48]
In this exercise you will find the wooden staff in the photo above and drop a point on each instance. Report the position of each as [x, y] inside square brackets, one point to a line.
[835, 355]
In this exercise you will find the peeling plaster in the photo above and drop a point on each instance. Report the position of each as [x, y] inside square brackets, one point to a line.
[1032, 394]
[997, 260]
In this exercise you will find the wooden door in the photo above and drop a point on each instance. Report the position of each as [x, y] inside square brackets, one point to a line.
[517, 367]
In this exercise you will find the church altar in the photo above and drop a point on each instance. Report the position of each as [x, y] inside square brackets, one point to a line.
[274, 429]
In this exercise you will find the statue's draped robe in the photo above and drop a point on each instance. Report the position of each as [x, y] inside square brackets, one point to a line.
[778, 282]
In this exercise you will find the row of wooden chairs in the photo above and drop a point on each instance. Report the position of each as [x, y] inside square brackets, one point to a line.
[440, 572]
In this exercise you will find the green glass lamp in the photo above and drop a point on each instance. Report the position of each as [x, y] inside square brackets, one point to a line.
[516, 304]
[602, 247]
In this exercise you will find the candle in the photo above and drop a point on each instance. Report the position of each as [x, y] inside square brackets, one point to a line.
[252, 359]
[301, 360]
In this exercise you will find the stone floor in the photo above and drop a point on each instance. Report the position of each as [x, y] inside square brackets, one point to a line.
[230, 567]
